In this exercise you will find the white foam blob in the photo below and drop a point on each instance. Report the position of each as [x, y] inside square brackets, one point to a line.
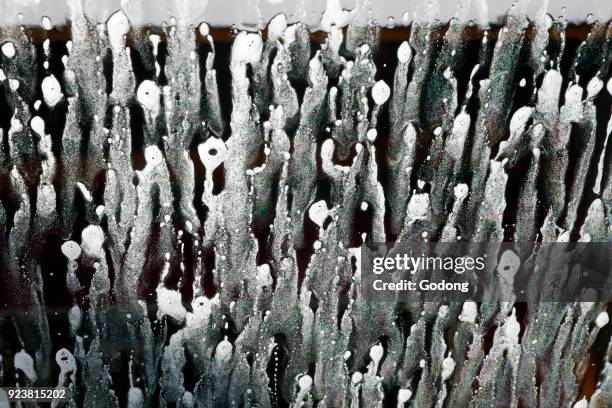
[404, 52]
[305, 383]
[448, 366]
[469, 311]
[277, 26]
[65, 360]
[135, 398]
[356, 377]
[372, 134]
[594, 86]
[8, 49]
[202, 308]
[118, 26]
[52, 91]
[169, 303]
[13, 84]
[448, 73]
[602, 319]
[403, 395]
[71, 250]
[380, 92]
[573, 95]
[46, 23]
[512, 328]
[290, 35]
[461, 191]
[153, 156]
[24, 362]
[155, 40]
[212, 153]
[333, 15]
[376, 353]
[520, 118]
[204, 29]
[84, 191]
[410, 135]
[264, 277]
[247, 48]
[418, 206]
[223, 351]
[318, 212]
[148, 95]
[38, 125]
[92, 239]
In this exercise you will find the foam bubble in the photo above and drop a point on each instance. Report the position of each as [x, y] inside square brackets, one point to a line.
[448, 366]
[376, 353]
[153, 156]
[418, 207]
[92, 239]
[594, 86]
[277, 26]
[38, 125]
[212, 153]
[264, 277]
[169, 303]
[148, 95]
[135, 397]
[71, 250]
[372, 134]
[602, 319]
[223, 351]
[24, 362]
[118, 26]
[469, 311]
[318, 212]
[520, 118]
[247, 48]
[403, 395]
[204, 29]
[461, 191]
[8, 49]
[52, 91]
[305, 383]
[65, 360]
[333, 15]
[380, 92]
[46, 24]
